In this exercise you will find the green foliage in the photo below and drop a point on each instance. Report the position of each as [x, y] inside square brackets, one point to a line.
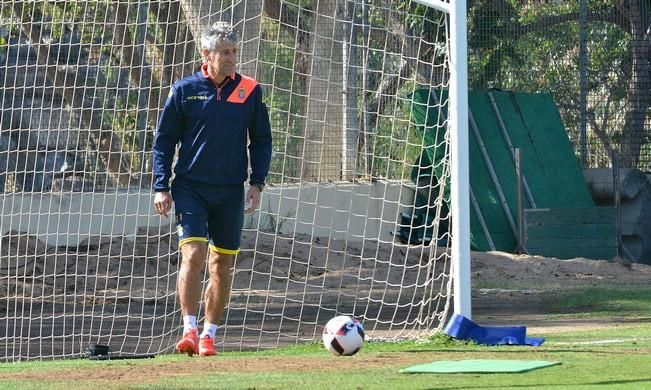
[283, 97]
[82, 33]
[396, 141]
[442, 340]
[513, 49]
[60, 17]
[508, 48]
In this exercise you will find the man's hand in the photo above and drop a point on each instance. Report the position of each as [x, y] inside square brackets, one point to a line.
[252, 200]
[163, 203]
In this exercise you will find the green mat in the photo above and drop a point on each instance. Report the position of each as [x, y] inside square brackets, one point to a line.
[478, 366]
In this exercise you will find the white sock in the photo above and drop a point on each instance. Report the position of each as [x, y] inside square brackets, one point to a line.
[209, 330]
[189, 323]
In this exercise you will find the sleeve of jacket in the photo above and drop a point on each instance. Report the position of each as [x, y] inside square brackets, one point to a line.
[168, 135]
[259, 140]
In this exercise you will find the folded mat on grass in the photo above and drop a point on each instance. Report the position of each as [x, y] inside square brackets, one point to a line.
[462, 328]
[478, 366]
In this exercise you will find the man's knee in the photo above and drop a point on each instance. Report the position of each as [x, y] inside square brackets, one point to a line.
[194, 255]
[220, 263]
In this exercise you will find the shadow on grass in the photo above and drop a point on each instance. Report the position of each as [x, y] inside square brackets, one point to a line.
[632, 382]
[505, 349]
[603, 300]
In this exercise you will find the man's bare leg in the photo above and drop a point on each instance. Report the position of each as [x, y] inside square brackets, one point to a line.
[216, 296]
[219, 287]
[189, 281]
[189, 289]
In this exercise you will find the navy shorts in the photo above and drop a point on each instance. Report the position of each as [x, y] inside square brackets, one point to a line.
[209, 213]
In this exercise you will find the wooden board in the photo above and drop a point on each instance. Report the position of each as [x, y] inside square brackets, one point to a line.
[571, 232]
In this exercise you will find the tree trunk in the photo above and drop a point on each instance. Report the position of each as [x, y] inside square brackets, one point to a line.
[108, 146]
[295, 26]
[352, 64]
[246, 19]
[198, 17]
[323, 130]
[639, 87]
[132, 56]
[178, 52]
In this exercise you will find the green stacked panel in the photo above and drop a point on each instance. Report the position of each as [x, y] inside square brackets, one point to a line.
[530, 122]
[572, 232]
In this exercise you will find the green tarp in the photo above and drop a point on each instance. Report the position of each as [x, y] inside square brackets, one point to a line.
[533, 124]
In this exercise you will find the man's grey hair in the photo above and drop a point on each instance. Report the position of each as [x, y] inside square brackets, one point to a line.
[219, 31]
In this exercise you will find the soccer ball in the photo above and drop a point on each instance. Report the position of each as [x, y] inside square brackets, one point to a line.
[343, 335]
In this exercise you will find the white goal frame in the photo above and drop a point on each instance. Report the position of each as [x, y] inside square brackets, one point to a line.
[459, 166]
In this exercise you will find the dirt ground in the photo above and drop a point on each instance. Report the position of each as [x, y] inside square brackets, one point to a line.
[507, 290]
[122, 292]
[516, 289]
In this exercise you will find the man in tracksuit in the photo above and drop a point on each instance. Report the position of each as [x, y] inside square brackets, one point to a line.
[211, 115]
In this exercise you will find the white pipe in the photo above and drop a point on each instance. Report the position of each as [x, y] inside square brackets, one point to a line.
[436, 4]
[460, 183]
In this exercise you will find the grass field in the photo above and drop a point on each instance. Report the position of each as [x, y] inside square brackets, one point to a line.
[614, 355]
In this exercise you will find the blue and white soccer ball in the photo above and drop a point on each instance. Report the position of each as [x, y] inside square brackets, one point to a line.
[343, 336]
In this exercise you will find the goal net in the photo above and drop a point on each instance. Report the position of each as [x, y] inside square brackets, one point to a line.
[355, 217]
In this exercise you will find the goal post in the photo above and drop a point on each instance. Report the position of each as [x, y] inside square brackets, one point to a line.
[460, 176]
[366, 210]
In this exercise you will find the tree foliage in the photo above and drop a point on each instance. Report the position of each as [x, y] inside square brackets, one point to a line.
[123, 56]
[531, 46]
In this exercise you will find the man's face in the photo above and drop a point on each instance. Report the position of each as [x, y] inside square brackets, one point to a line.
[223, 59]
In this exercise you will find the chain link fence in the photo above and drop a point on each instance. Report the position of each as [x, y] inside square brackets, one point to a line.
[592, 56]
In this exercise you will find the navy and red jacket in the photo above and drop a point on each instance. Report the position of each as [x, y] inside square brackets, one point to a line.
[212, 125]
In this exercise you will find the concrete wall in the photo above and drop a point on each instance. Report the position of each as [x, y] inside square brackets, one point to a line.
[64, 219]
[352, 211]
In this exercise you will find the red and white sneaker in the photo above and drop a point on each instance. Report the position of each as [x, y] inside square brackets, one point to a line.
[189, 343]
[207, 346]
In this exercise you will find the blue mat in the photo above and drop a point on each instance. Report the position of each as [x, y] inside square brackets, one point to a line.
[461, 328]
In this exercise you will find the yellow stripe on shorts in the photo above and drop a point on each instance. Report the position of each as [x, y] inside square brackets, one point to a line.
[224, 251]
[192, 239]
